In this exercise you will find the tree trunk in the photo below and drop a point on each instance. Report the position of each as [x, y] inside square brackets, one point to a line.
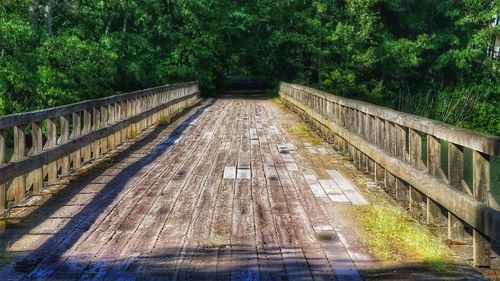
[125, 17]
[320, 80]
[124, 24]
[108, 27]
[35, 10]
[48, 16]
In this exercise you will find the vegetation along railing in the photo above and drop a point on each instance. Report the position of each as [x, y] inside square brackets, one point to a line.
[447, 176]
[37, 148]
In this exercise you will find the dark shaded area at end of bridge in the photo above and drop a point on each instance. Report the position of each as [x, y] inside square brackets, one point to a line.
[246, 85]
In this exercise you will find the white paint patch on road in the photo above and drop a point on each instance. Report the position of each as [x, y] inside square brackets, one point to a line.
[333, 191]
[315, 186]
[253, 134]
[348, 188]
[244, 174]
[291, 167]
[229, 173]
[291, 146]
[208, 135]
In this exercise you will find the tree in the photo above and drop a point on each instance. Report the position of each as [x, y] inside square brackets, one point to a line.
[427, 57]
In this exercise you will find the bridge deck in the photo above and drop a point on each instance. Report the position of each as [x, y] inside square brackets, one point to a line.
[225, 192]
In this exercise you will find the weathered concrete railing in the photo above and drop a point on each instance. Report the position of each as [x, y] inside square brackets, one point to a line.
[443, 173]
[61, 139]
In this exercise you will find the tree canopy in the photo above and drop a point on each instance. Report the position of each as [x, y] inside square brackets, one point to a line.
[429, 57]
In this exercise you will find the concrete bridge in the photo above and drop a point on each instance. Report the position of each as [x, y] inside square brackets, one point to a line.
[159, 184]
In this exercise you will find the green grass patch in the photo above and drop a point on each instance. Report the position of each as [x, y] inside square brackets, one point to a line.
[274, 95]
[278, 101]
[104, 164]
[362, 182]
[392, 234]
[166, 121]
[304, 133]
[344, 158]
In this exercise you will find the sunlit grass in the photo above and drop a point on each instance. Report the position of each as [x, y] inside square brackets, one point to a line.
[344, 158]
[275, 97]
[304, 133]
[362, 182]
[278, 101]
[165, 121]
[393, 235]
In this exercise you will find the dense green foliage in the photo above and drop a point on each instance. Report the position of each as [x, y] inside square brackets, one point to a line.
[428, 57]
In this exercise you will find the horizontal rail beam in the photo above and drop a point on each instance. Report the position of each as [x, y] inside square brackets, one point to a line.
[485, 143]
[477, 214]
[37, 148]
[17, 168]
[44, 114]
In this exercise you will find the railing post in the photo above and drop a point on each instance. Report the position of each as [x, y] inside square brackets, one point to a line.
[143, 103]
[124, 115]
[456, 231]
[130, 130]
[111, 120]
[87, 125]
[402, 192]
[51, 168]
[481, 186]
[152, 104]
[372, 134]
[415, 148]
[76, 156]
[135, 109]
[104, 123]
[167, 99]
[380, 142]
[434, 213]
[37, 146]
[401, 139]
[96, 124]
[433, 156]
[117, 118]
[139, 106]
[163, 113]
[64, 138]
[390, 143]
[356, 128]
[418, 201]
[19, 154]
[362, 132]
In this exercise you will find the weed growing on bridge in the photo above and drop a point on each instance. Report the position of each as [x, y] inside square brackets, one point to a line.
[165, 121]
[362, 182]
[274, 95]
[394, 235]
[278, 101]
[304, 133]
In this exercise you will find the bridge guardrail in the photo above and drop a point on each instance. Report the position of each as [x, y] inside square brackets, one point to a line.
[443, 173]
[64, 138]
